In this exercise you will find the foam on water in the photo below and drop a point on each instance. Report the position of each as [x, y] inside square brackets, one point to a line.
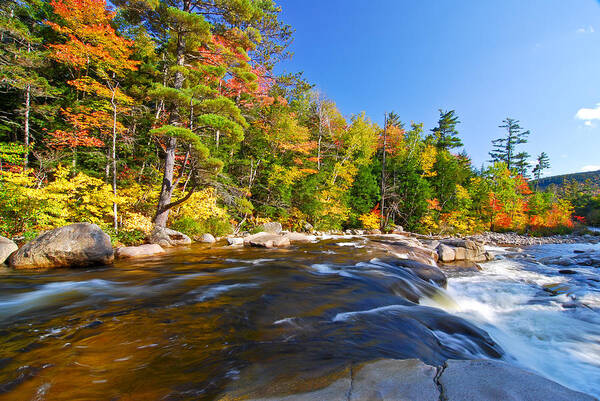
[507, 299]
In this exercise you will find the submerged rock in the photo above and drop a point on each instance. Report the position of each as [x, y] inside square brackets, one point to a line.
[131, 252]
[424, 271]
[266, 240]
[167, 238]
[75, 245]
[6, 248]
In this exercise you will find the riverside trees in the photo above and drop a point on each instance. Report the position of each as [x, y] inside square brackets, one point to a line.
[175, 103]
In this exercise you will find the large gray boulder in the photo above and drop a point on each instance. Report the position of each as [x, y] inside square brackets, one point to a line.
[75, 245]
[6, 248]
[168, 238]
[272, 227]
[266, 240]
[142, 251]
[483, 380]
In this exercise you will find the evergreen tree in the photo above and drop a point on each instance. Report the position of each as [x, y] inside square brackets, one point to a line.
[445, 135]
[504, 149]
[543, 163]
[22, 60]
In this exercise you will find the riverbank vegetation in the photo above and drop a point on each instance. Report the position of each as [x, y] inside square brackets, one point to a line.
[170, 113]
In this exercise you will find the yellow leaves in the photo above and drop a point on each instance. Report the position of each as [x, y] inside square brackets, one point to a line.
[370, 221]
[428, 158]
[135, 221]
[201, 206]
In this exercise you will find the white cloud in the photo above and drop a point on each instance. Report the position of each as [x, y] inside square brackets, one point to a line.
[588, 115]
[590, 167]
[589, 29]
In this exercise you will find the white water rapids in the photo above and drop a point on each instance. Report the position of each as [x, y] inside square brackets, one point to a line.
[557, 336]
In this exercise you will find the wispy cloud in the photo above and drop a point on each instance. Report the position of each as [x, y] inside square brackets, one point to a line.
[589, 29]
[588, 115]
[590, 167]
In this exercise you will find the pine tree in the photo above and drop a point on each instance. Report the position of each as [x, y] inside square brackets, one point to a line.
[445, 135]
[504, 149]
[543, 163]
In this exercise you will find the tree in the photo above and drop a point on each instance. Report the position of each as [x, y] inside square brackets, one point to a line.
[208, 50]
[390, 120]
[543, 163]
[504, 149]
[22, 59]
[99, 58]
[445, 135]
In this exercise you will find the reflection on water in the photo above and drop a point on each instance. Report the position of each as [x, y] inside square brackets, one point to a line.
[188, 324]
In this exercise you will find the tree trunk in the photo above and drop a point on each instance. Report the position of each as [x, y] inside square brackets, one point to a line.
[114, 161]
[383, 172]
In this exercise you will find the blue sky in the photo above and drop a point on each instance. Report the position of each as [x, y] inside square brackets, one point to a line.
[537, 61]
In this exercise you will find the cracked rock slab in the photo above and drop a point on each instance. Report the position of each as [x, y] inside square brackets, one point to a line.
[483, 380]
[394, 380]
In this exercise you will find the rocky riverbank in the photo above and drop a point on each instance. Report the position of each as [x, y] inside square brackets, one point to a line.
[513, 239]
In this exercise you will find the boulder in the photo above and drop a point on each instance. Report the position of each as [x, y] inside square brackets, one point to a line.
[266, 240]
[307, 227]
[272, 227]
[460, 253]
[374, 232]
[142, 251]
[407, 249]
[168, 238]
[75, 245]
[235, 241]
[446, 253]
[300, 237]
[6, 248]
[207, 239]
[497, 380]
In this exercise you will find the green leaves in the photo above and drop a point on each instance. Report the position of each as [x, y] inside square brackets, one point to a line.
[185, 135]
[225, 125]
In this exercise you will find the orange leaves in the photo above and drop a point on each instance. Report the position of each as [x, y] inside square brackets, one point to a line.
[85, 122]
[91, 41]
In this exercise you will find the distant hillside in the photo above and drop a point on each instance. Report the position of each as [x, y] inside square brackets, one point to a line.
[594, 176]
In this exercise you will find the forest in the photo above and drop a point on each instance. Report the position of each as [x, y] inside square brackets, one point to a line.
[170, 113]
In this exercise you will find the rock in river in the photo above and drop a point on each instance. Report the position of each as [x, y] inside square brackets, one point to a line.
[266, 240]
[75, 245]
[6, 248]
[167, 238]
[131, 252]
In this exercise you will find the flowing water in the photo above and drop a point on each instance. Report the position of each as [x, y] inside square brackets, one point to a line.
[195, 323]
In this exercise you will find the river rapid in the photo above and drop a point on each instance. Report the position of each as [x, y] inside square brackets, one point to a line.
[198, 322]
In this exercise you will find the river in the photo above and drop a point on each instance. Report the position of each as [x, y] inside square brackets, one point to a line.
[198, 322]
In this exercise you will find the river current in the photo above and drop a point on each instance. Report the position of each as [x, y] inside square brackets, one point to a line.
[197, 323]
